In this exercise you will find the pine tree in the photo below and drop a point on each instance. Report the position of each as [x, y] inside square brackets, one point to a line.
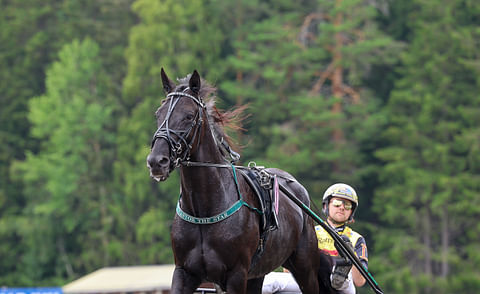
[66, 222]
[302, 70]
[430, 180]
[31, 35]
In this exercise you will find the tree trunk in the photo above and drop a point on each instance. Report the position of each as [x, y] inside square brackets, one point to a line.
[337, 79]
[427, 242]
[445, 243]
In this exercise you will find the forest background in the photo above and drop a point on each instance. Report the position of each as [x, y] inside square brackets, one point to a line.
[379, 94]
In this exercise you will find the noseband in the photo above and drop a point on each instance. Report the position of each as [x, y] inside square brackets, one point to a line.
[176, 143]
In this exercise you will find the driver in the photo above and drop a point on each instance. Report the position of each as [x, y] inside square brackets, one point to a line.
[339, 204]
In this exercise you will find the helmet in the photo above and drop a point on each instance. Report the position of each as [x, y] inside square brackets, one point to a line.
[340, 190]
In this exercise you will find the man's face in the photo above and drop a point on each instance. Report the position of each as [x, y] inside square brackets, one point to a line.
[339, 209]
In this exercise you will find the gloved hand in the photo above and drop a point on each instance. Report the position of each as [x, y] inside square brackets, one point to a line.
[342, 266]
[340, 261]
[347, 242]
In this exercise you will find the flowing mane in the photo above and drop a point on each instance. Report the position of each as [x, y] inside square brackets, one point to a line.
[221, 121]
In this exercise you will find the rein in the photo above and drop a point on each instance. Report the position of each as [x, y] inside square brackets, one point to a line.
[251, 165]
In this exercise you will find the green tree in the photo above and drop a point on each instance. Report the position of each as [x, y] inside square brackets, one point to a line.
[430, 182]
[31, 34]
[66, 221]
[303, 68]
[23, 52]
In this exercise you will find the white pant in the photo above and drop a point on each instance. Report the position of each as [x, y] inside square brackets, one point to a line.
[284, 282]
[279, 282]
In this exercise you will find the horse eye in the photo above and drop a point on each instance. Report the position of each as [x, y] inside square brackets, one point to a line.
[189, 117]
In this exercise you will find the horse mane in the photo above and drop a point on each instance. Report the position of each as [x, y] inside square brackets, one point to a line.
[221, 121]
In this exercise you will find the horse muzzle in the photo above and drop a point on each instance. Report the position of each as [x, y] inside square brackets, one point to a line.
[159, 166]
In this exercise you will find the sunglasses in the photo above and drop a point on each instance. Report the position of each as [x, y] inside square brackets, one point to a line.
[347, 204]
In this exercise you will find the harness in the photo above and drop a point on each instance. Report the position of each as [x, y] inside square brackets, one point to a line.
[181, 156]
[264, 186]
[260, 181]
[177, 153]
[221, 216]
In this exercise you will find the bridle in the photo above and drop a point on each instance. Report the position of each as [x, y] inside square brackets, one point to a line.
[176, 139]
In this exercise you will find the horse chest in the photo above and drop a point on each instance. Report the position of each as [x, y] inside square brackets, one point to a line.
[207, 241]
[206, 250]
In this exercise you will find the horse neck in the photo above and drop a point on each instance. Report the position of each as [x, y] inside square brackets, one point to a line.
[207, 190]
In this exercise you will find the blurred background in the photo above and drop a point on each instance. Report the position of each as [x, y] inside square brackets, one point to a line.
[380, 94]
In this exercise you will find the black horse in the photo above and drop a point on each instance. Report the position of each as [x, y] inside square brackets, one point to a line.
[216, 234]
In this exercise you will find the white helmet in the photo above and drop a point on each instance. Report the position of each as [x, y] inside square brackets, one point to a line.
[340, 190]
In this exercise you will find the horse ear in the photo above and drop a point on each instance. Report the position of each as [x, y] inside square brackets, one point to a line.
[194, 82]
[168, 85]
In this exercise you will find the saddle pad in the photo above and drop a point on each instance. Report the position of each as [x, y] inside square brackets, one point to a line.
[264, 196]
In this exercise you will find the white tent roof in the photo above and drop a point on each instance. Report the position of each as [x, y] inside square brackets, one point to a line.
[123, 279]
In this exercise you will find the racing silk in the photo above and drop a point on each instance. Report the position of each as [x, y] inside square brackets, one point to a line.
[326, 243]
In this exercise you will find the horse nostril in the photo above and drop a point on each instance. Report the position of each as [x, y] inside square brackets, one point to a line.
[157, 160]
[163, 161]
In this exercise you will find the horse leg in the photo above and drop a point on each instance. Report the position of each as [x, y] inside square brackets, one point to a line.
[324, 272]
[304, 262]
[254, 286]
[237, 281]
[306, 278]
[307, 281]
[184, 282]
[313, 275]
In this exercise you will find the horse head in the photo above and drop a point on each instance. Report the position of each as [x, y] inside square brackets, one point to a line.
[179, 124]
